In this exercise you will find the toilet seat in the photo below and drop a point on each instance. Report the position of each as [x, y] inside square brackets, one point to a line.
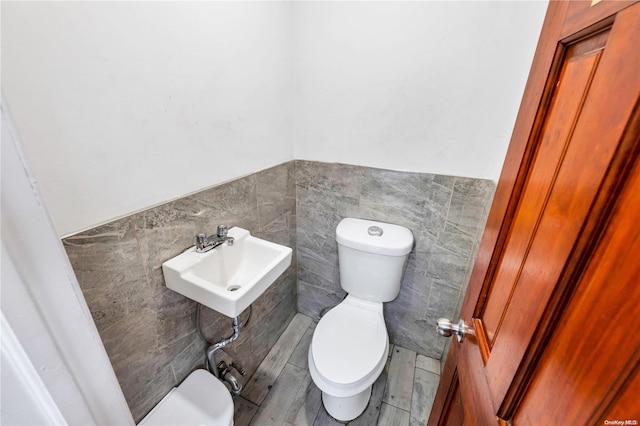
[350, 342]
[200, 400]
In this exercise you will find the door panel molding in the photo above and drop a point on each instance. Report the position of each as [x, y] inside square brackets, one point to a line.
[519, 154]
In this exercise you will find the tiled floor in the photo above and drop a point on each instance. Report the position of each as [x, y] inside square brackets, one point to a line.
[281, 391]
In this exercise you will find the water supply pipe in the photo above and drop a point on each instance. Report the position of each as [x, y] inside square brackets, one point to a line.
[212, 349]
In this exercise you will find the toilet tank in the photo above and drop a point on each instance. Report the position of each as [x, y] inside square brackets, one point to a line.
[372, 257]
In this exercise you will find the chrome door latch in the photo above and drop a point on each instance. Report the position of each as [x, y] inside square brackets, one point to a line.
[446, 328]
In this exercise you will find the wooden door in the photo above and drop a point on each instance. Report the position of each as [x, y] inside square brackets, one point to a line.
[554, 297]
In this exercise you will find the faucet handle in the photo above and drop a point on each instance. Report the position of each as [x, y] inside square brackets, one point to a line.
[222, 231]
[201, 241]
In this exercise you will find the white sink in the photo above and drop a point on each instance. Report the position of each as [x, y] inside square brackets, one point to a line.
[228, 279]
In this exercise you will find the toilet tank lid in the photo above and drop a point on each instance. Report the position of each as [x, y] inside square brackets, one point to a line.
[374, 237]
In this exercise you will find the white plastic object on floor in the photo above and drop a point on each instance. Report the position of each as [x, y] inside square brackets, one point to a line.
[200, 400]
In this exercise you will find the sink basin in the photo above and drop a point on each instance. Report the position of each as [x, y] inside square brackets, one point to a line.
[228, 279]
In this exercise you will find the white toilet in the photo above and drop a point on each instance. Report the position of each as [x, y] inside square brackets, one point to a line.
[350, 343]
[200, 400]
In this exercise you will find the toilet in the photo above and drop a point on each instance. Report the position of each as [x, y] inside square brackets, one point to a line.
[200, 400]
[350, 344]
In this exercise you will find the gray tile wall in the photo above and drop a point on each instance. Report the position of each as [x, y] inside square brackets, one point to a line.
[446, 215]
[148, 330]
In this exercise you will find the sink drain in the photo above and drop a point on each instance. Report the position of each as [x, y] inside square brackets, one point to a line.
[233, 288]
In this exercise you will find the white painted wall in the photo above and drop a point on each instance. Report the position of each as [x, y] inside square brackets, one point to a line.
[125, 105]
[57, 355]
[429, 86]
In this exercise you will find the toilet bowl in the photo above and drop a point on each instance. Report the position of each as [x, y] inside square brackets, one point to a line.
[348, 352]
[200, 400]
[350, 344]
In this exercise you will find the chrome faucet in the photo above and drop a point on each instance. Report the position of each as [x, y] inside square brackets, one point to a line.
[204, 243]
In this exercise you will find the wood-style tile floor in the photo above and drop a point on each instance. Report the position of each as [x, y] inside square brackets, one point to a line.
[281, 391]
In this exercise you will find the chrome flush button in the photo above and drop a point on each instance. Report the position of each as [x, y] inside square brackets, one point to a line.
[375, 231]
